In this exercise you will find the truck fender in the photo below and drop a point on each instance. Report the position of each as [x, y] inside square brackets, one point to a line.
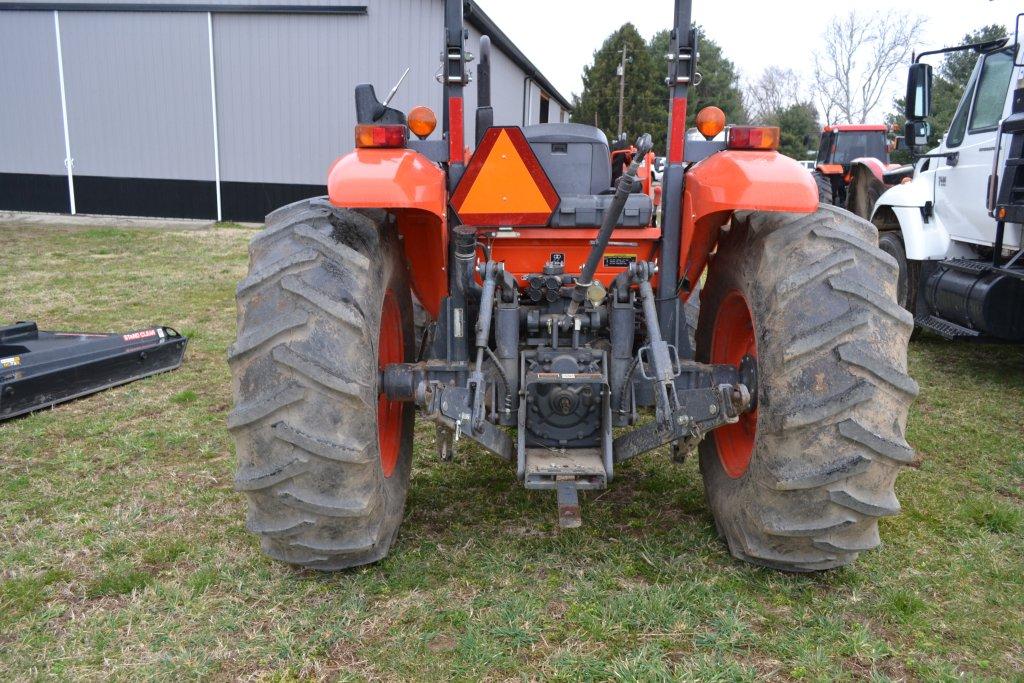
[732, 181]
[412, 188]
[918, 192]
[905, 207]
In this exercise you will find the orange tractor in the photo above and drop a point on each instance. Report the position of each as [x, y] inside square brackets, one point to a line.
[555, 338]
[852, 168]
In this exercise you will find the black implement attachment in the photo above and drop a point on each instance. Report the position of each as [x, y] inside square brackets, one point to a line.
[41, 369]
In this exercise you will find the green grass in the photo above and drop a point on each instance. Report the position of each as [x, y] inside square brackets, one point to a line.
[123, 551]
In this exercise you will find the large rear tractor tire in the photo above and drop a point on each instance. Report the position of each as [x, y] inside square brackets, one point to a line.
[800, 483]
[863, 192]
[824, 183]
[323, 459]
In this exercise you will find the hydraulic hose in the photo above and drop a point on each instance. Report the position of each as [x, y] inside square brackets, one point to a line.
[611, 219]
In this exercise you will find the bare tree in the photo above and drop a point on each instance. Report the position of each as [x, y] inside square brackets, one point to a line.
[774, 90]
[860, 55]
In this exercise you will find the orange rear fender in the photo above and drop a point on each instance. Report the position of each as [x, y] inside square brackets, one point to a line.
[387, 179]
[737, 181]
[412, 188]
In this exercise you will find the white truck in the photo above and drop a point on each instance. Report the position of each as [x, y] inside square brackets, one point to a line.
[955, 225]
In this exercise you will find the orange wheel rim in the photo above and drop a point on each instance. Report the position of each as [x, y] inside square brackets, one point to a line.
[390, 349]
[733, 338]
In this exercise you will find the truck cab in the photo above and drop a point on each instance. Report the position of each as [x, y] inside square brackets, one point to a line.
[941, 225]
[961, 172]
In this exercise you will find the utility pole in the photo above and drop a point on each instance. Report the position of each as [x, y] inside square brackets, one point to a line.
[622, 87]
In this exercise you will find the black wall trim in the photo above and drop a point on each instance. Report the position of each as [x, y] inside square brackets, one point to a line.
[155, 197]
[146, 197]
[184, 7]
[251, 202]
[32, 192]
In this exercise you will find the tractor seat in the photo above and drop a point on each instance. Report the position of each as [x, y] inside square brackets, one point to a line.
[576, 159]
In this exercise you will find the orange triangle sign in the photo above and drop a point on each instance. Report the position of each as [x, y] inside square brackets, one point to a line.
[504, 183]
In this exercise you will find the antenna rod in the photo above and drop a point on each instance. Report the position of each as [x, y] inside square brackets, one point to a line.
[387, 100]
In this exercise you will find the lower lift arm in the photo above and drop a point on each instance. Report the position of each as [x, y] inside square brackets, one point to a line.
[691, 398]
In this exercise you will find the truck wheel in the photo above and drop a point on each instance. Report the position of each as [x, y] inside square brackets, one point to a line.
[906, 286]
[799, 483]
[824, 184]
[323, 458]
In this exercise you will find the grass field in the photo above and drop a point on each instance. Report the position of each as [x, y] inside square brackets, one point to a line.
[123, 551]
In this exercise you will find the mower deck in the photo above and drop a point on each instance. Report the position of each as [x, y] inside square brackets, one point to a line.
[40, 369]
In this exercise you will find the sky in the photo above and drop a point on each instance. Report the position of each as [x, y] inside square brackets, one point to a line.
[560, 36]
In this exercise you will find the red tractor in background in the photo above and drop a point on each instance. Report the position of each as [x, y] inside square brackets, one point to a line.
[855, 155]
[556, 339]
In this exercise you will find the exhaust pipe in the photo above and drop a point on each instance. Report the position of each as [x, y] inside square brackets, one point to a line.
[484, 110]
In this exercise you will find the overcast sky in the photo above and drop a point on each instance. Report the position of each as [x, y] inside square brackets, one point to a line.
[560, 36]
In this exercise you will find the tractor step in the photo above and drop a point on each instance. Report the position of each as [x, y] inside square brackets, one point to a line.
[973, 266]
[548, 468]
[40, 369]
[946, 329]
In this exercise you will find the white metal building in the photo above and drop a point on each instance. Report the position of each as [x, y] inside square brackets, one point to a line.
[222, 110]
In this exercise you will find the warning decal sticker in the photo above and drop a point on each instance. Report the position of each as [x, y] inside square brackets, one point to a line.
[618, 260]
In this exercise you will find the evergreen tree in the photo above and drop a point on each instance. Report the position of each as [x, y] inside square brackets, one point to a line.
[720, 83]
[599, 103]
[797, 123]
[774, 99]
[645, 107]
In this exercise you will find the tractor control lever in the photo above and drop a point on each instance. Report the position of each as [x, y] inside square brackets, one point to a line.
[611, 219]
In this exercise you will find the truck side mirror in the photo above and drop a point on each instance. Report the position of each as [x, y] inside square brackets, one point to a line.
[916, 134]
[919, 92]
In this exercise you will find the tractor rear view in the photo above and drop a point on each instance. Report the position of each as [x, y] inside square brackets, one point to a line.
[555, 307]
[854, 155]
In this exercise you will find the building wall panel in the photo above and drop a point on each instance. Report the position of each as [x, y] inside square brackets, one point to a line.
[138, 91]
[507, 87]
[140, 112]
[31, 127]
[285, 84]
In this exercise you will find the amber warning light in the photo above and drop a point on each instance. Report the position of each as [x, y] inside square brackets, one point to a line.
[710, 122]
[422, 121]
